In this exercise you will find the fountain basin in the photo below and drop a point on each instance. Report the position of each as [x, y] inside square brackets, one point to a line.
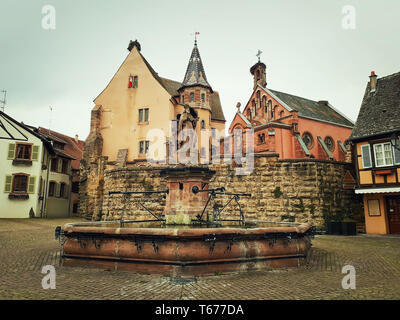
[194, 250]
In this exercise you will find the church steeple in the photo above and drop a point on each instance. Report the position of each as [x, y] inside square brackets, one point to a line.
[258, 72]
[195, 75]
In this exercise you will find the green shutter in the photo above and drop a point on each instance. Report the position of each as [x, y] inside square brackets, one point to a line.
[58, 189]
[31, 184]
[11, 151]
[35, 153]
[7, 187]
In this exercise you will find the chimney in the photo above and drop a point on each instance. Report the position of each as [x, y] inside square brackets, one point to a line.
[372, 81]
[76, 138]
[323, 102]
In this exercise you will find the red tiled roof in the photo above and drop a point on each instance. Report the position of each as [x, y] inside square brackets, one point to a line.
[72, 147]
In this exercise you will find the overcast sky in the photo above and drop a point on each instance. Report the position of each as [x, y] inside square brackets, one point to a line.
[305, 47]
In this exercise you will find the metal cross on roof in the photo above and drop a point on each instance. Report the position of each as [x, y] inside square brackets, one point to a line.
[259, 54]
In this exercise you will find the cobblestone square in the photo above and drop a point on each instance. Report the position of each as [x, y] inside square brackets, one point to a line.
[28, 245]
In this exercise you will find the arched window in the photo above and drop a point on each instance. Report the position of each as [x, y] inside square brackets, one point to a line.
[330, 143]
[281, 114]
[275, 116]
[308, 140]
[203, 124]
[269, 109]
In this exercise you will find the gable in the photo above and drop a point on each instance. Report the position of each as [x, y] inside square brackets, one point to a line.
[380, 110]
[135, 65]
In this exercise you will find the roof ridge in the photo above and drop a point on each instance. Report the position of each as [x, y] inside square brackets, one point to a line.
[294, 95]
[389, 76]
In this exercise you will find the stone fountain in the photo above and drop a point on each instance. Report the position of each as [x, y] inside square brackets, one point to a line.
[191, 237]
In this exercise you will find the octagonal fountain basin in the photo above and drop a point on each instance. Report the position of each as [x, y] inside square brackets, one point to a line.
[186, 250]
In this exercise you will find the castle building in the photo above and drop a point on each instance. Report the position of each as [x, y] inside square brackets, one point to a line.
[376, 154]
[292, 126]
[137, 100]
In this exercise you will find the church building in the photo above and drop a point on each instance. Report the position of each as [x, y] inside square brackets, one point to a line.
[292, 126]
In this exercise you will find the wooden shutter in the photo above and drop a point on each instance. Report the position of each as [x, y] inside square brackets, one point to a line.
[31, 184]
[366, 156]
[11, 151]
[35, 153]
[58, 188]
[396, 156]
[8, 184]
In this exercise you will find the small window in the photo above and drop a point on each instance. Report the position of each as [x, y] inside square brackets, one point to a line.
[54, 164]
[330, 144]
[183, 99]
[282, 114]
[64, 166]
[203, 97]
[130, 84]
[366, 156]
[383, 154]
[20, 183]
[191, 97]
[261, 138]
[203, 124]
[135, 81]
[62, 190]
[52, 189]
[144, 115]
[143, 147]
[23, 151]
[308, 140]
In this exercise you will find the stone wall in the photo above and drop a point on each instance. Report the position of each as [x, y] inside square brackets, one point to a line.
[302, 190]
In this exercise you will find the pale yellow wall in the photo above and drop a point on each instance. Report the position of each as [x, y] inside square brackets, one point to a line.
[376, 224]
[120, 118]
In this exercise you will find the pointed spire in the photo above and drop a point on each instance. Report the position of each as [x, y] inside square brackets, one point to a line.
[195, 74]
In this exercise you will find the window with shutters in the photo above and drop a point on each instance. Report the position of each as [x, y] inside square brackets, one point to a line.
[20, 183]
[23, 151]
[396, 156]
[366, 156]
[383, 154]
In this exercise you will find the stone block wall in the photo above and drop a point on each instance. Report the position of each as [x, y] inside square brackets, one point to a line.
[301, 190]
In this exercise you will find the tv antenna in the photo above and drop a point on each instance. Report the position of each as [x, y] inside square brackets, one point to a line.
[4, 101]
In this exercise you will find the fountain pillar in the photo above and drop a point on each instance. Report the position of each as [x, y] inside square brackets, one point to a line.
[182, 205]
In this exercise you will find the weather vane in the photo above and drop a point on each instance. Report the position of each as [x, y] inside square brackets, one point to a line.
[195, 36]
[259, 54]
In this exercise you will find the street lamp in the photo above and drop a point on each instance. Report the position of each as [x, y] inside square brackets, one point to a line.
[395, 142]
